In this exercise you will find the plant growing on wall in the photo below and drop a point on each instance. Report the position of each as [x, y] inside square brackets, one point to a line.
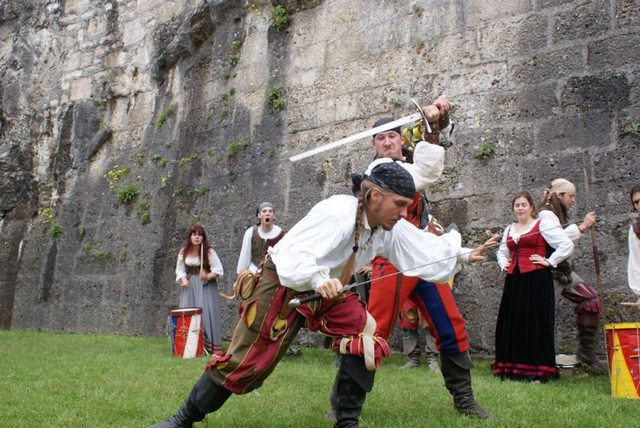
[115, 174]
[281, 17]
[485, 150]
[275, 98]
[186, 160]
[199, 191]
[55, 228]
[144, 212]
[234, 59]
[633, 128]
[160, 160]
[234, 147]
[127, 193]
[164, 115]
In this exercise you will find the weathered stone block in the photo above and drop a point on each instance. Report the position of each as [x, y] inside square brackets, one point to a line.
[451, 51]
[627, 13]
[436, 17]
[477, 12]
[563, 132]
[614, 52]
[547, 66]
[76, 6]
[530, 103]
[588, 20]
[133, 33]
[595, 92]
[500, 40]
[81, 89]
[485, 77]
[544, 4]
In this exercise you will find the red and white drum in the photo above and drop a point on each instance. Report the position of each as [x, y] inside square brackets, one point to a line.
[187, 340]
[623, 345]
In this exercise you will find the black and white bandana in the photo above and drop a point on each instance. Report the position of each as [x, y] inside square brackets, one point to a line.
[390, 175]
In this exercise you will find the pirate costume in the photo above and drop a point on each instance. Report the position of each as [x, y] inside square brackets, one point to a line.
[571, 286]
[316, 249]
[525, 348]
[434, 299]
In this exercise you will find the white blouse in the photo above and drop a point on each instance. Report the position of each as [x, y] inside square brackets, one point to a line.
[551, 231]
[633, 268]
[181, 266]
[318, 246]
[244, 261]
[572, 230]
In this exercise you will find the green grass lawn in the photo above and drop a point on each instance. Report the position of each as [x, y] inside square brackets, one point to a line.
[67, 380]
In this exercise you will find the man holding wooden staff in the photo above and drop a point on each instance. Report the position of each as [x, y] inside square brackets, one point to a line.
[558, 199]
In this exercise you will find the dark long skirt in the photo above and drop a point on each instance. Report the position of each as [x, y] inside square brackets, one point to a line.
[525, 348]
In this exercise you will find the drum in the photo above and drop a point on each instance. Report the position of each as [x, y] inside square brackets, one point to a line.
[187, 340]
[623, 345]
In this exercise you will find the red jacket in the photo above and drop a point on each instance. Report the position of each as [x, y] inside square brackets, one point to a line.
[529, 244]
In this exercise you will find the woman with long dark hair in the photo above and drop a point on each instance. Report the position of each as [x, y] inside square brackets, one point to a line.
[525, 347]
[197, 271]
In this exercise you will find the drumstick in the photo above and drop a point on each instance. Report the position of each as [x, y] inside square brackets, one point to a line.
[201, 257]
[629, 304]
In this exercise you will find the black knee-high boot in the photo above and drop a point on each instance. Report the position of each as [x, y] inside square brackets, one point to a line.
[205, 397]
[353, 381]
[456, 370]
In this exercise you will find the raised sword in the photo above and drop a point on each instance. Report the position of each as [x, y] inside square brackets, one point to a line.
[368, 133]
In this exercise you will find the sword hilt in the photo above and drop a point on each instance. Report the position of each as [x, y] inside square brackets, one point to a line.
[294, 303]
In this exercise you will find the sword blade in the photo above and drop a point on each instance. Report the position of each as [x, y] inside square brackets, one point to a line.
[359, 136]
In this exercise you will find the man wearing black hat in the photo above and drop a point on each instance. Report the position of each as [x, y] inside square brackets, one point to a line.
[339, 235]
[434, 300]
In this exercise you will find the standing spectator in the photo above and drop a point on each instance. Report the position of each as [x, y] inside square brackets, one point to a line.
[197, 271]
[257, 239]
[556, 202]
[633, 268]
[525, 347]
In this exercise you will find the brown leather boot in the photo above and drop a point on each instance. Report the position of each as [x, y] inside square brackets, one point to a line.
[587, 346]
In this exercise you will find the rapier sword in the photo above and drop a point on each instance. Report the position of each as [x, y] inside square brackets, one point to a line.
[368, 133]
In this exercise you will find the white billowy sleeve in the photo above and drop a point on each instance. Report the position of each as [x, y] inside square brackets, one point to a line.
[428, 163]
[215, 264]
[181, 269]
[556, 237]
[573, 232]
[633, 268]
[430, 257]
[244, 260]
[305, 256]
[503, 254]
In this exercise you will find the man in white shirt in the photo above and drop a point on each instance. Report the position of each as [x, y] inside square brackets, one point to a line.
[434, 300]
[558, 199]
[337, 237]
[257, 239]
[633, 267]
